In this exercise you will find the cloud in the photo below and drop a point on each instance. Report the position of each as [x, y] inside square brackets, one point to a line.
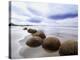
[56, 9]
[42, 13]
[63, 16]
[34, 20]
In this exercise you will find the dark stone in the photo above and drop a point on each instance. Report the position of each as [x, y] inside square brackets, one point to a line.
[25, 28]
[51, 44]
[32, 30]
[40, 34]
[69, 47]
[34, 41]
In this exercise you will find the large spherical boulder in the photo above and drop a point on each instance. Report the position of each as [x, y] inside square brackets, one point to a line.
[34, 41]
[69, 47]
[40, 34]
[25, 28]
[32, 30]
[51, 44]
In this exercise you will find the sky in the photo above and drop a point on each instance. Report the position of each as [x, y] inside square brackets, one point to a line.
[53, 14]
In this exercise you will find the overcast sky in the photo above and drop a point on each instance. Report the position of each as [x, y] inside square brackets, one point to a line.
[29, 13]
